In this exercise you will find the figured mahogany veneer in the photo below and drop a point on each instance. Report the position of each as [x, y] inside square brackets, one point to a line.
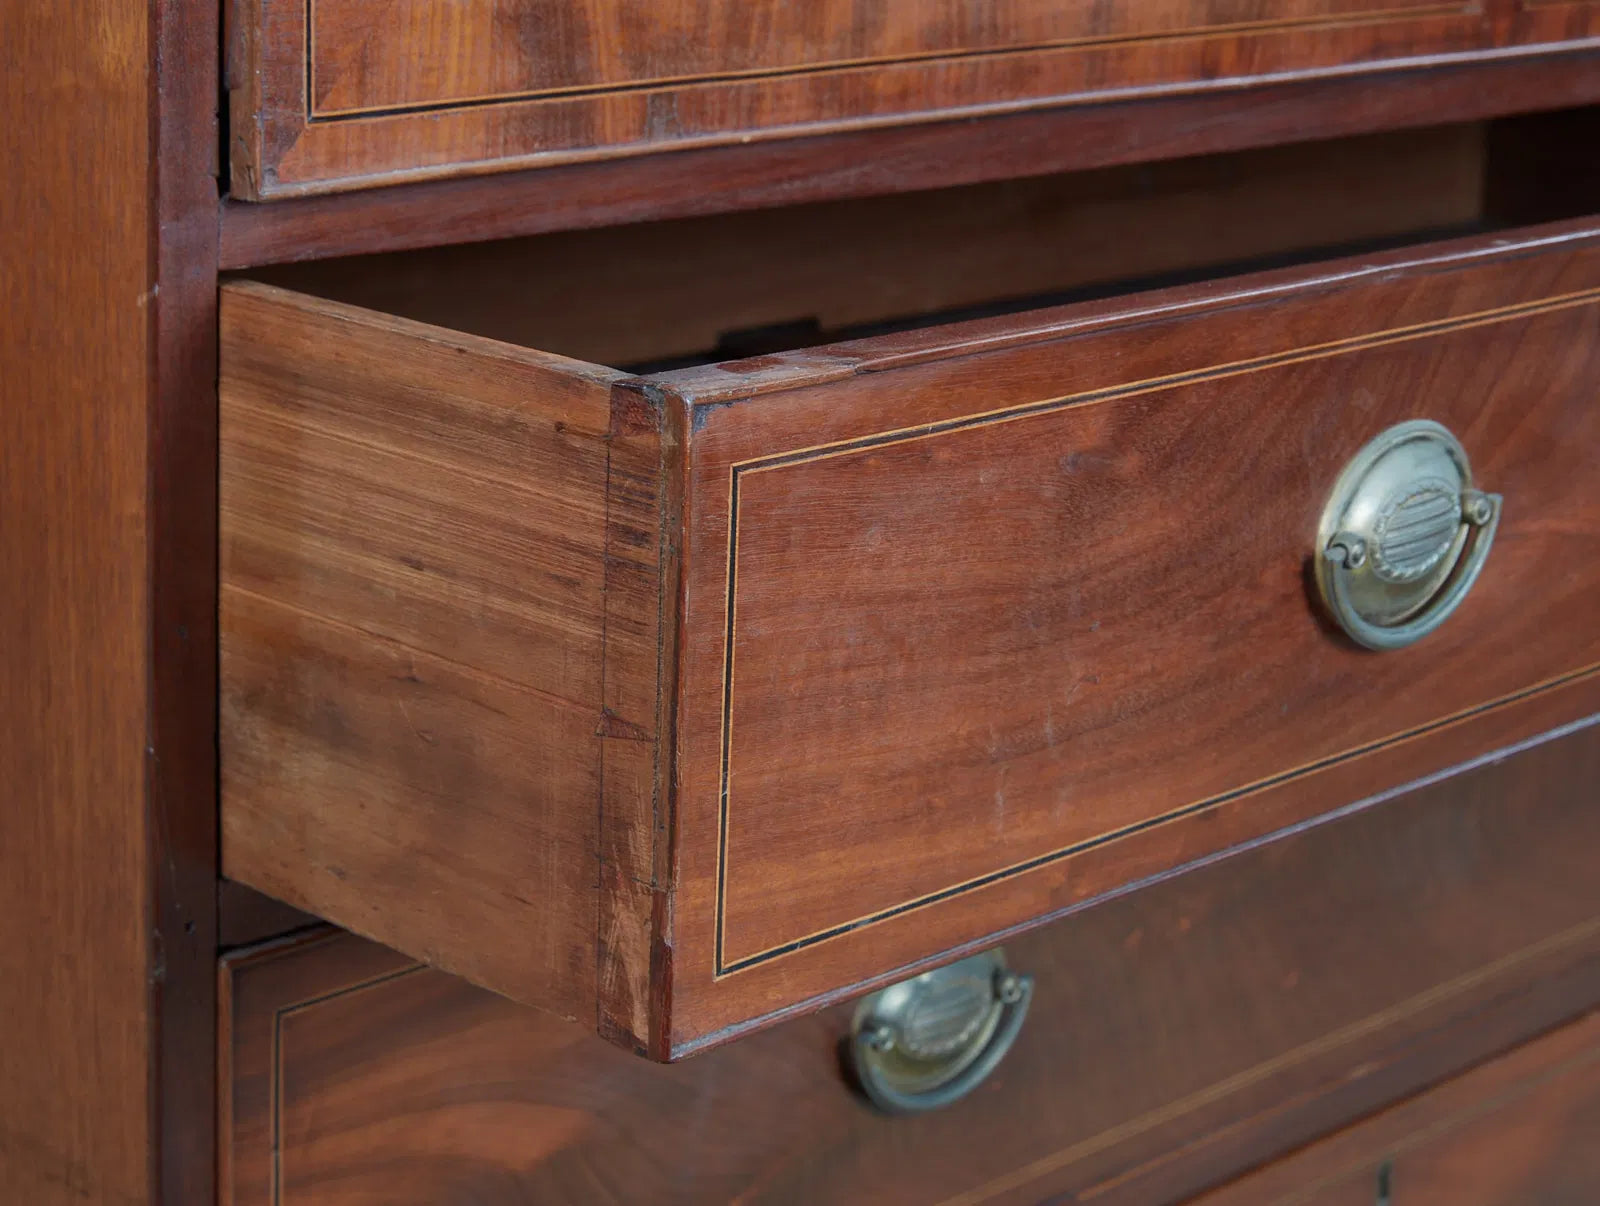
[685, 702]
[330, 94]
[870, 162]
[1177, 1036]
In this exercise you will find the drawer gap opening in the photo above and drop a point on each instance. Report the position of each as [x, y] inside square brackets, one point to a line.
[656, 296]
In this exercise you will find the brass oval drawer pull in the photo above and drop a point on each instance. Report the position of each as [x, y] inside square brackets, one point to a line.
[1403, 536]
[931, 1039]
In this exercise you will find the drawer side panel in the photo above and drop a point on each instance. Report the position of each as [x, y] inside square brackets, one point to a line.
[412, 547]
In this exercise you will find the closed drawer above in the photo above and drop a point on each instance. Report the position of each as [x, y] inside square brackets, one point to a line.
[679, 700]
[335, 94]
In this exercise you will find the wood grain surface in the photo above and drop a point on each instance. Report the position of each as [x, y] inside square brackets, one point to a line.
[1045, 627]
[327, 95]
[721, 180]
[412, 526]
[426, 55]
[1177, 1036]
[106, 922]
[108, 603]
[1013, 616]
[1516, 1131]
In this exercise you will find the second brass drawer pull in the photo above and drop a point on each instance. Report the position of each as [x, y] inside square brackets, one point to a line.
[930, 1040]
[1403, 536]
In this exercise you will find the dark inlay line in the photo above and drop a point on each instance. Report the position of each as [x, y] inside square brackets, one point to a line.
[1215, 372]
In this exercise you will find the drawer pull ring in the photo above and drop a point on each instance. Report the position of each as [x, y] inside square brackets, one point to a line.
[1403, 536]
[931, 1039]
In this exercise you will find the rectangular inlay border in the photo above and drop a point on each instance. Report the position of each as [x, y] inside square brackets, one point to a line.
[722, 966]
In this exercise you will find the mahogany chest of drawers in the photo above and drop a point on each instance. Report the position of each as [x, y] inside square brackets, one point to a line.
[801, 602]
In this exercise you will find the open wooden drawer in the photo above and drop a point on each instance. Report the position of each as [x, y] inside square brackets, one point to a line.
[686, 700]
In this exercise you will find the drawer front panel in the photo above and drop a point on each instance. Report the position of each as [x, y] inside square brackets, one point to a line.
[1046, 628]
[1517, 1131]
[973, 634]
[1176, 1037]
[336, 94]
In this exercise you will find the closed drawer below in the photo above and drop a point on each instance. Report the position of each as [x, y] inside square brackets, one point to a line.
[1523, 1130]
[1177, 1036]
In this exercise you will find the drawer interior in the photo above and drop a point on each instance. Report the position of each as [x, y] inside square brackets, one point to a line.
[666, 295]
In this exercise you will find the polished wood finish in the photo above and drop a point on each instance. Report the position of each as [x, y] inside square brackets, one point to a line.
[107, 683]
[867, 163]
[1051, 597]
[324, 96]
[1178, 1035]
[1047, 627]
[76, 1115]
[425, 57]
[948, 721]
[1519, 1130]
